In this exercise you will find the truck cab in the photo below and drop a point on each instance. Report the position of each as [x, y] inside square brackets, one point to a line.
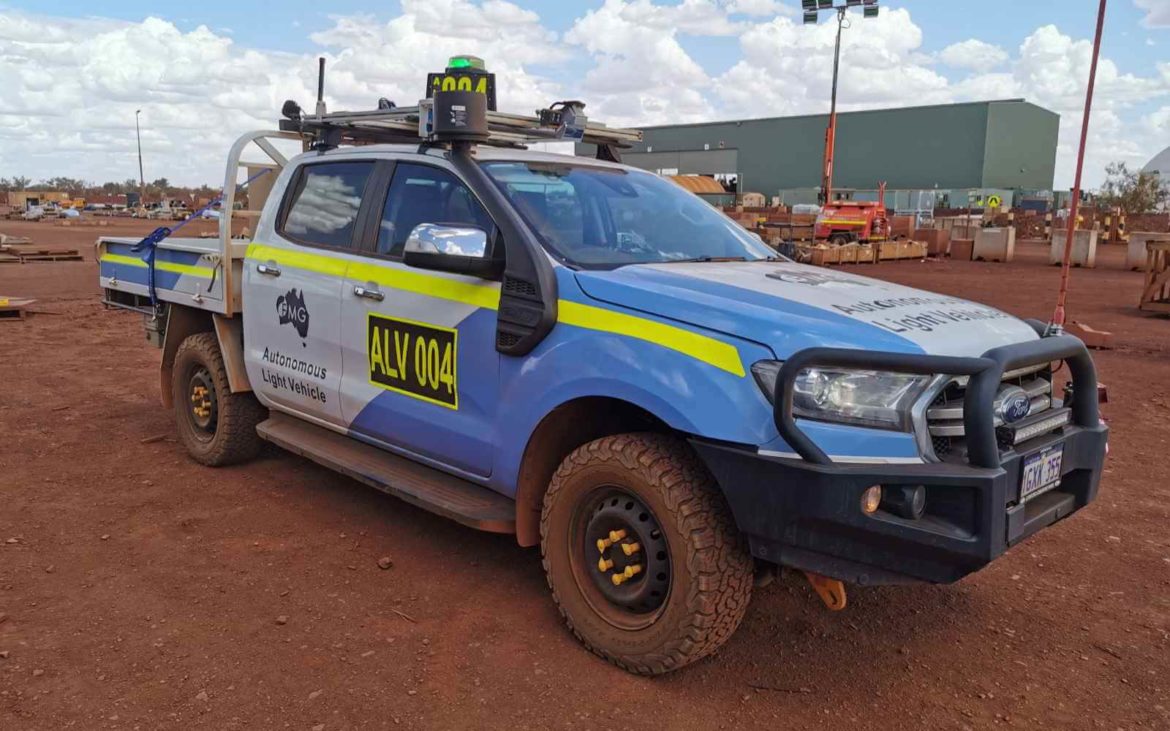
[586, 356]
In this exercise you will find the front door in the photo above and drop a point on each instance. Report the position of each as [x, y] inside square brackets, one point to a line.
[421, 366]
[292, 290]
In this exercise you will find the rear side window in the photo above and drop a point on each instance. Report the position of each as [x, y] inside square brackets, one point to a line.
[324, 206]
[423, 194]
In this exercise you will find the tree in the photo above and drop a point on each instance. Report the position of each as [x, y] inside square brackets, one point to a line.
[1131, 191]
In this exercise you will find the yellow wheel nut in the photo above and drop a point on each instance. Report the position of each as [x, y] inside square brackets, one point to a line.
[631, 570]
[616, 535]
[631, 548]
[602, 544]
[604, 564]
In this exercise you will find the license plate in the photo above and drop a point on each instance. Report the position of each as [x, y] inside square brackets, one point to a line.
[1041, 472]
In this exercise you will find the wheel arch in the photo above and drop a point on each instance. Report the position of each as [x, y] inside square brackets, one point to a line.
[182, 323]
[563, 429]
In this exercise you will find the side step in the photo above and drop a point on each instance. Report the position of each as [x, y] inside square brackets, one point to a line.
[429, 489]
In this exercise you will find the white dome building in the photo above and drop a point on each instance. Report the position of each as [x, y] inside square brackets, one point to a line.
[1160, 164]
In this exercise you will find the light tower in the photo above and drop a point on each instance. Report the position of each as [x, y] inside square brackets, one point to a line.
[812, 9]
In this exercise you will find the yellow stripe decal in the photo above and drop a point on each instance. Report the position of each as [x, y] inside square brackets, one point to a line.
[701, 347]
[709, 350]
[162, 266]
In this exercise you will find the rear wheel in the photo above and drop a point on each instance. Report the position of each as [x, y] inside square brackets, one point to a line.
[641, 553]
[216, 426]
[839, 239]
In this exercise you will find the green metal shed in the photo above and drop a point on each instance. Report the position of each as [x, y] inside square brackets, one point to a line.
[1001, 145]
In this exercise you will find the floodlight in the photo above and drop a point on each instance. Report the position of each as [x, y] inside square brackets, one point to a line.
[852, 2]
[824, 4]
[870, 2]
[808, 5]
[871, 11]
[810, 18]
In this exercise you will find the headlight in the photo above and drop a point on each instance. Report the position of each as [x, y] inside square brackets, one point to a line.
[875, 399]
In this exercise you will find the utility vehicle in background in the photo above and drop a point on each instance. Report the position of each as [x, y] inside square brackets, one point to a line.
[590, 358]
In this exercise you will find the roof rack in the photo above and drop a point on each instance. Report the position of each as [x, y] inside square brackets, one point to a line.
[408, 125]
[452, 112]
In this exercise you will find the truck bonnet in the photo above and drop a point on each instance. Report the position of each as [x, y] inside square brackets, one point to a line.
[789, 307]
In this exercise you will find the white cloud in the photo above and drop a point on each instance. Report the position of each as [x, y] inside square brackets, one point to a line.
[787, 67]
[73, 86]
[70, 87]
[759, 7]
[641, 72]
[1157, 13]
[973, 54]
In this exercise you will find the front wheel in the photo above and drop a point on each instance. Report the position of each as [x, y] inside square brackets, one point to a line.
[641, 553]
[216, 426]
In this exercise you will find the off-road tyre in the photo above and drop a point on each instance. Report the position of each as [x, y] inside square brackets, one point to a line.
[709, 563]
[233, 438]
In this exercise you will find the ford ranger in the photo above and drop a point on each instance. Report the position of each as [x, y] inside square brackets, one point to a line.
[586, 356]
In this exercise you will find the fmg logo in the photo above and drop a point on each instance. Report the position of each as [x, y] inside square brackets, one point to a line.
[291, 310]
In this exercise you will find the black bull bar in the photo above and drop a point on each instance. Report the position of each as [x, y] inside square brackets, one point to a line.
[985, 374]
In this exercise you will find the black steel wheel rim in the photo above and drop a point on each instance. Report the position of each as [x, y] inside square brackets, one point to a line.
[621, 560]
[202, 402]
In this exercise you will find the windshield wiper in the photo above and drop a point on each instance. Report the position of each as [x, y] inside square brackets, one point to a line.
[704, 259]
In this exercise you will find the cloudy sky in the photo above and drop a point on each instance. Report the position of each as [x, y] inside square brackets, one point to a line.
[71, 81]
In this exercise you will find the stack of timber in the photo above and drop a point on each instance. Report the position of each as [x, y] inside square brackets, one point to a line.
[1156, 293]
[14, 308]
[10, 255]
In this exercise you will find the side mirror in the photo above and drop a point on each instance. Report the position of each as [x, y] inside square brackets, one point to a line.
[455, 249]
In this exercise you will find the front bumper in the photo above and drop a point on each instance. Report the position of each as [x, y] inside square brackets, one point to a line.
[806, 512]
[808, 516]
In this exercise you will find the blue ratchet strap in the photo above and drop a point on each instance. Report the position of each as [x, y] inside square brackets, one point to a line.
[155, 237]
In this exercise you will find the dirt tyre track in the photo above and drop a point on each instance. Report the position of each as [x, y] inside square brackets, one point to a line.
[234, 439]
[711, 569]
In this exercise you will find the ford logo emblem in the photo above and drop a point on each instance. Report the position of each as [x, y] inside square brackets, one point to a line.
[1015, 407]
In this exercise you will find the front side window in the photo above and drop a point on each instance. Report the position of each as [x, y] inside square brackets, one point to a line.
[598, 217]
[425, 194]
[325, 203]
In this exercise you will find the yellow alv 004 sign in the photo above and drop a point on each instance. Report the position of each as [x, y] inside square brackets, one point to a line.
[480, 82]
[414, 359]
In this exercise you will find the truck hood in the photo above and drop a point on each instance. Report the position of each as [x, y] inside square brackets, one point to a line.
[788, 307]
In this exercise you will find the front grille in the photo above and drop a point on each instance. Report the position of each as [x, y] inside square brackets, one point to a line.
[944, 416]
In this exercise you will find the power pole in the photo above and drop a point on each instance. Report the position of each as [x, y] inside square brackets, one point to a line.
[141, 176]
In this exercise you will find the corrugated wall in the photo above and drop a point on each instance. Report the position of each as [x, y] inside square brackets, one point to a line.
[975, 145]
[1021, 146]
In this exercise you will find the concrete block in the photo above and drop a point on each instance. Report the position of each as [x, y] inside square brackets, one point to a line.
[1084, 248]
[995, 244]
[1135, 254]
[962, 249]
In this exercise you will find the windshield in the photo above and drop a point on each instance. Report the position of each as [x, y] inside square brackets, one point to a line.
[601, 218]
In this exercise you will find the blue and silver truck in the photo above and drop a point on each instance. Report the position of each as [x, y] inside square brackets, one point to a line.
[586, 356]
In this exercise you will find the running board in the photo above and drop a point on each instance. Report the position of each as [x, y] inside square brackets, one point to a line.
[417, 484]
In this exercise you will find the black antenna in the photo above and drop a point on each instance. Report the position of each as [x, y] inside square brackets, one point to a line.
[321, 86]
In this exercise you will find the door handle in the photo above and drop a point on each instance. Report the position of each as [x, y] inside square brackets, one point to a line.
[268, 270]
[371, 294]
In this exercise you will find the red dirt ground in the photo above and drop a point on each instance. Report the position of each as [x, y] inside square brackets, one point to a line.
[140, 590]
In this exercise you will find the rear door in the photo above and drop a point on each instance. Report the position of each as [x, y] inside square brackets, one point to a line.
[292, 289]
[421, 367]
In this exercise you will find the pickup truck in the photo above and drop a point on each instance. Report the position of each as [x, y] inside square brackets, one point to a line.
[588, 357]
